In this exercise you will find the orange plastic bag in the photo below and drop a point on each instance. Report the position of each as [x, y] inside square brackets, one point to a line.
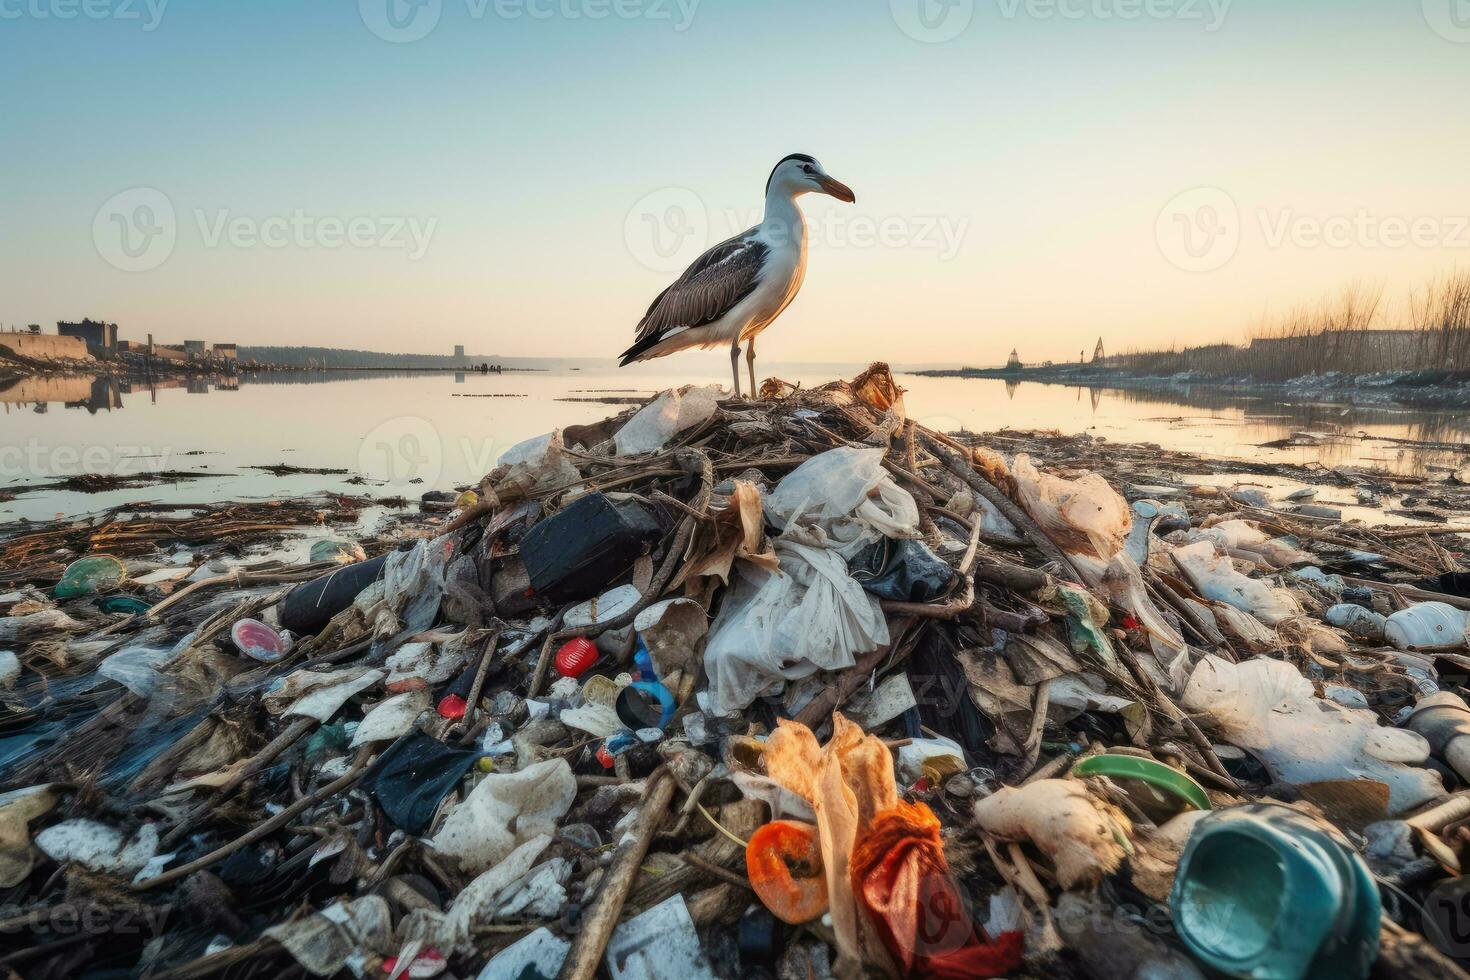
[903, 884]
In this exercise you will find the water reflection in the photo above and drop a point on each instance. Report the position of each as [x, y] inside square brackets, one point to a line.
[463, 420]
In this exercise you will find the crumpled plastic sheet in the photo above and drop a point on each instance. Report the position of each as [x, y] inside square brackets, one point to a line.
[504, 811]
[810, 615]
[17, 809]
[831, 493]
[412, 776]
[329, 692]
[1269, 708]
[98, 847]
[658, 422]
[338, 936]
[1215, 578]
[475, 905]
[1083, 517]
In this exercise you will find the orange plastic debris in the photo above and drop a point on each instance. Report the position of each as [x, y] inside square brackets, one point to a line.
[784, 862]
[903, 884]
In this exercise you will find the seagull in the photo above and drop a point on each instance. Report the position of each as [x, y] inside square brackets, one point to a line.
[738, 288]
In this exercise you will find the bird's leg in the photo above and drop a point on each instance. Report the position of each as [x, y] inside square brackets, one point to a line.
[735, 366]
[750, 363]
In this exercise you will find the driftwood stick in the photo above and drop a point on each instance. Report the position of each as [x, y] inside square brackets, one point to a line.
[1037, 538]
[598, 924]
[260, 761]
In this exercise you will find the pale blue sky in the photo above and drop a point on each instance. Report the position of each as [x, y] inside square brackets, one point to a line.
[1017, 172]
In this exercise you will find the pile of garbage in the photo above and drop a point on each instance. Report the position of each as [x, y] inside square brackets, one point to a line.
[794, 687]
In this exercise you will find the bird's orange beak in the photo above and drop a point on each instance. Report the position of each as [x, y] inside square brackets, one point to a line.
[837, 189]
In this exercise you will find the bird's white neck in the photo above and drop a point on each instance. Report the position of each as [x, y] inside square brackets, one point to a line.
[784, 220]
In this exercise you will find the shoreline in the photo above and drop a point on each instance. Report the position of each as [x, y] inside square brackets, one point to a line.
[1407, 389]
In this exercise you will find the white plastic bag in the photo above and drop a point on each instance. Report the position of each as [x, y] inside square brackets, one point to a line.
[830, 495]
[1428, 624]
[1084, 517]
[664, 418]
[536, 464]
[1269, 708]
[1217, 580]
[810, 615]
[504, 811]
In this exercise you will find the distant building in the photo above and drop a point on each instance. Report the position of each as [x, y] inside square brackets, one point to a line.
[195, 350]
[100, 338]
[226, 352]
[459, 350]
[1014, 362]
[1097, 354]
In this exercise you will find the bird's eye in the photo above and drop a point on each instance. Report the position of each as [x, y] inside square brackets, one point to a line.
[810, 170]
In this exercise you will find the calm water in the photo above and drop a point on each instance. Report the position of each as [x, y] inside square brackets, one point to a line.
[409, 433]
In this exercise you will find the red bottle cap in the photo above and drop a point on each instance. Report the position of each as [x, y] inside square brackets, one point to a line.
[576, 657]
[452, 707]
[604, 756]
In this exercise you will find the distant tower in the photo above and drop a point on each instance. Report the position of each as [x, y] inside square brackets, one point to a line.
[1097, 354]
[459, 350]
[1014, 363]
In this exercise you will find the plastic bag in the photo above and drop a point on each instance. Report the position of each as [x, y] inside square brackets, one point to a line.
[412, 776]
[504, 811]
[658, 422]
[831, 494]
[904, 571]
[809, 615]
[1084, 517]
[905, 888]
[1215, 578]
[1428, 624]
[413, 581]
[1269, 708]
[534, 465]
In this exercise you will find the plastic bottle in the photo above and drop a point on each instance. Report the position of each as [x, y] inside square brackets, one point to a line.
[1264, 891]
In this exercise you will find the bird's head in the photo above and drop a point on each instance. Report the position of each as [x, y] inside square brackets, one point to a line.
[800, 174]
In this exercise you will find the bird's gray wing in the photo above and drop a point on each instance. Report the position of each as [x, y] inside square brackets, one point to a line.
[717, 281]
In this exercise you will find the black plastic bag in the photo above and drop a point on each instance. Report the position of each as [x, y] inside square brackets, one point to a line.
[904, 571]
[412, 776]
